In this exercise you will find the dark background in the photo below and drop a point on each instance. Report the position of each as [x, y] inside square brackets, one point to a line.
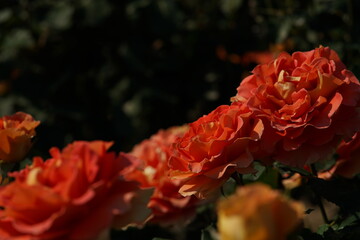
[121, 70]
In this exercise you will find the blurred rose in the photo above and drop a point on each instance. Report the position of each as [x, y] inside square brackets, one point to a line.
[151, 169]
[72, 195]
[308, 102]
[215, 146]
[16, 132]
[348, 162]
[258, 57]
[256, 212]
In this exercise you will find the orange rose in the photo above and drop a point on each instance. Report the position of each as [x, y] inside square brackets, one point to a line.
[16, 132]
[72, 195]
[308, 101]
[215, 146]
[151, 170]
[256, 212]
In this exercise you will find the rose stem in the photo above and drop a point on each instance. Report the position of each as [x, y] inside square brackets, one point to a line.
[238, 178]
[222, 192]
[318, 198]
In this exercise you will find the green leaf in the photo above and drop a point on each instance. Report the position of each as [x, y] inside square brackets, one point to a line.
[306, 234]
[322, 229]
[349, 221]
[229, 187]
[330, 234]
[260, 169]
[267, 175]
[25, 162]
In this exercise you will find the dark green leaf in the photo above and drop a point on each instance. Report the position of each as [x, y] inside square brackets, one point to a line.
[343, 192]
[306, 234]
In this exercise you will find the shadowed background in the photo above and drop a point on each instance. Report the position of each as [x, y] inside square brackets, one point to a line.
[121, 70]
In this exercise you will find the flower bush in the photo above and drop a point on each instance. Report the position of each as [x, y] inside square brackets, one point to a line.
[278, 155]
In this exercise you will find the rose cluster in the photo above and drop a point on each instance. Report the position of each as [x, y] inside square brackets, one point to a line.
[297, 109]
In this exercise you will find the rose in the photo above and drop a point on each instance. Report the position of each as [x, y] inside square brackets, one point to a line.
[72, 195]
[216, 146]
[308, 102]
[16, 133]
[348, 163]
[256, 212]
[168, 207]
[152, 155]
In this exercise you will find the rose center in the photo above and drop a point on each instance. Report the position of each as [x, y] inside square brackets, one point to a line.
[284, 88]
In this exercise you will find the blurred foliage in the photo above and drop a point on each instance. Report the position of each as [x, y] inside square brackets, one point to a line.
[121, 70]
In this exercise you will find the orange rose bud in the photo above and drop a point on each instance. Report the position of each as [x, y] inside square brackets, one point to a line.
[308, 102]
[256, 212]
[168, 207]
[16, 132]
[73, 195]
[214, 147]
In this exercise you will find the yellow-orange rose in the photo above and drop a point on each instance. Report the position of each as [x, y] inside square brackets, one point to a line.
[256, 212]
[16, 132]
